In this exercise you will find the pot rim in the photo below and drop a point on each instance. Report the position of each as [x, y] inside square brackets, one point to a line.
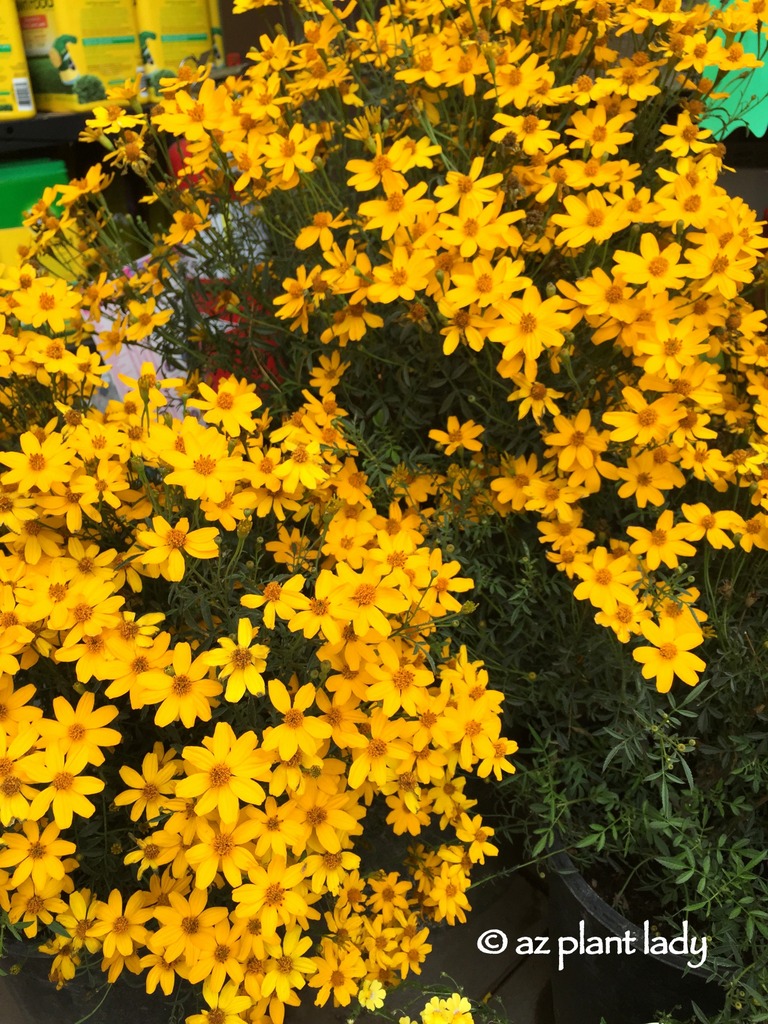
[560, 864]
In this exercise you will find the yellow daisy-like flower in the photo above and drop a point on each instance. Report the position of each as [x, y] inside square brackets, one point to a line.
[225, 1006]
[297, 731]
[606, 580]
[39, 463]
[468, 191]
[231, 405]
[66, 788]
[670, 654]
[458, 435]
[187, 224]
[166, 544]
[278, 599]
[240, 662]
[222, 772]
[82, 728]
[35, 853]
[184, 689]
[46, 302]
[665, 543]
[122, 928]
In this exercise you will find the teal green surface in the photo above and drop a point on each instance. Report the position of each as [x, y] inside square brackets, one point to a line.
[746, 106]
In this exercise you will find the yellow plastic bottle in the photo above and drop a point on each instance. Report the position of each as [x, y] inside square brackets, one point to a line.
[172, 34]
[76, 49]
[217, 36]
[16, 99]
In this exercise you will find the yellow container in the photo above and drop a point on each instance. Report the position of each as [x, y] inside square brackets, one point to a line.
[76, 49]
[217, 36]
[15, 87]
[172, 34]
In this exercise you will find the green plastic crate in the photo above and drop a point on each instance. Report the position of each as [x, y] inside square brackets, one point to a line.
[22, 183]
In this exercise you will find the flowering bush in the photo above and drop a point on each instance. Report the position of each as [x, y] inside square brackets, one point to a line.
[516, 228]
[228, 698]
[528, 319]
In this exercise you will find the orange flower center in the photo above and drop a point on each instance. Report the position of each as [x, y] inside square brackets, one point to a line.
[220, 774]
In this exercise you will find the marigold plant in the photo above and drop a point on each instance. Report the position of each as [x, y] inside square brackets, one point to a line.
[478, 261]
[230, 699]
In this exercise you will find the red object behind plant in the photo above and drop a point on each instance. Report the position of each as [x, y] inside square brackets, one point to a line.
[214, 301]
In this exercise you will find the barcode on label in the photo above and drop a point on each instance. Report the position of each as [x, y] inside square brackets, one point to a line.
[22, 93]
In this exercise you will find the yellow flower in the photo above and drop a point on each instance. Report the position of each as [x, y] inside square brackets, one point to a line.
[646, 480]
[183, 921]
[297, 730]
[398, 679]
[664, 543]
[66, 790]
[670, 654]
[487, 283]
[241, 663]
[39, 463]
[204, 468]
[166, 544]
[719, 268]
[122, 928]
[647, 422]
[15, 789]
[327, 375]
[153, 789]
[592, 219]
[230, 405]
[288, 968]
[371, 995]
[577, 445]
[531, 324]
[303, 467]
[337, 973]
[385, 168]
[534, 397]
[225, 1006]
[602, 135]
[469, 191]
[222, 848]
[47, 302]
[458, 435]
[145, 318]
[113, 119]
[606, 580]
[183, 689]
[223, 772]
[291, 153]
[79, 919]
[399, 209]
[81, 729]
[320, 230]
[188, 223]
[387, 746]
[401, 278]
[35, 853]
[278, 599]
[654, 268]
[275, 894]
[366, 599]
[712, 525]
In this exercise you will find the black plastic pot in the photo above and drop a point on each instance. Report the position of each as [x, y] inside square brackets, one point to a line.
[28, 997]
[622, 984]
